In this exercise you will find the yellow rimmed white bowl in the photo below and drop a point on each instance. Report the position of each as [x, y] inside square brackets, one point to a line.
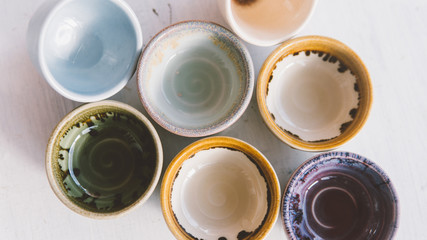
[220, 188]
[314, 93]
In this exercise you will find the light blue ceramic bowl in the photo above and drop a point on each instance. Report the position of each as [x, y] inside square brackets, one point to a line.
[195, 78]
[87, 50]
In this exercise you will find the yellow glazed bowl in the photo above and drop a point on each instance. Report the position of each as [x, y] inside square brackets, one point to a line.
[220, 188]
[314, 93]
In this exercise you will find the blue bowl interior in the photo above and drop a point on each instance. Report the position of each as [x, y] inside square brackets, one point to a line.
[90, 46]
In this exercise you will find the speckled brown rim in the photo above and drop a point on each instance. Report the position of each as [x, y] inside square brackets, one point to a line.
[226, 142]
[226, 121]
[348, 57]
[52, 165]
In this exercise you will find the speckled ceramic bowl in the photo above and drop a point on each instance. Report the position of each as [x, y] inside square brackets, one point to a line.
[220, 188]
[195, 78]
[104, 159]
[314, 93]
[339, 195]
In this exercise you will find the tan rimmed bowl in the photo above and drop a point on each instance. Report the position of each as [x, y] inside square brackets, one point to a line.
[104, 159]
[220, 188]
[314, 93]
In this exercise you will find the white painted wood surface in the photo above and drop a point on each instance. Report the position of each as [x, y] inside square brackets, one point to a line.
[389, 35]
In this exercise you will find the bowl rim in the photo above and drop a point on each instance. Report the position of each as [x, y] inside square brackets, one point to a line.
[307, 42]
[252, 39]
[47, 74]
[55, 137]
[315, 160]
[225, 142]
[224, 122]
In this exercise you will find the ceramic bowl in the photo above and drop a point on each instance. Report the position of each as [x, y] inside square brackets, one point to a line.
[104, 159]
[339, 195]
[87, 50]
[266, 22]
[195, 78]
[314, 93]
[220, 188]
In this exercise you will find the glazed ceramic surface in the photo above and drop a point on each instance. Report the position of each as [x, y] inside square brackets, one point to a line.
[220, 188]
[195, 78]
[85, 49]
[339, 195]
[266, 22]
[314, 93]
[103, 159]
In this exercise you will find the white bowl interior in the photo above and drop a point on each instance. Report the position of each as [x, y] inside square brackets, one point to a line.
[312, 95]
[194, 78]
[219, 193]
[269, 20]
[90, 47]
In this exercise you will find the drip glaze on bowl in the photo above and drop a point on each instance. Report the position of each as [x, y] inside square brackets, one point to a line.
[217, 191]
[220, 188]
[314, 93]
[339, 195]
[104, 159]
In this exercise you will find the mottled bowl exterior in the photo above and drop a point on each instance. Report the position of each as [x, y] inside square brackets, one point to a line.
[239, 55]
[348, 58]
[53, 168]
[256, 157]
[292, 206]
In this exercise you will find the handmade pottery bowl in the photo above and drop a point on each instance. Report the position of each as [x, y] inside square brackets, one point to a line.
[339, 195]
[87, 50]
[266, 22]
[220, 188]
[195, 78]
[314, 93]
[104, 159]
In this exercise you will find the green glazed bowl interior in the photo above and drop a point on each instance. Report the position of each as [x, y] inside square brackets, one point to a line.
[103, 159]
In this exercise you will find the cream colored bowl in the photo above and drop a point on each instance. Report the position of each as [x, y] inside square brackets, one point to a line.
[314, 93]
[220, 188]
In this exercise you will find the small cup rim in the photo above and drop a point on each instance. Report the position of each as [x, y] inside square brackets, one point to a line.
[204, 144]
[302, 43]
[46, 73]
[55, 137]
[224, 124]
[264, 43]
[326, 156]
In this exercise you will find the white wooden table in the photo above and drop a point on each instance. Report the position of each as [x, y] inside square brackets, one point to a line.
[389, 35]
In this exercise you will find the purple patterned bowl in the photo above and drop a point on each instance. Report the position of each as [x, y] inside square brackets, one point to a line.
[339, 195]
